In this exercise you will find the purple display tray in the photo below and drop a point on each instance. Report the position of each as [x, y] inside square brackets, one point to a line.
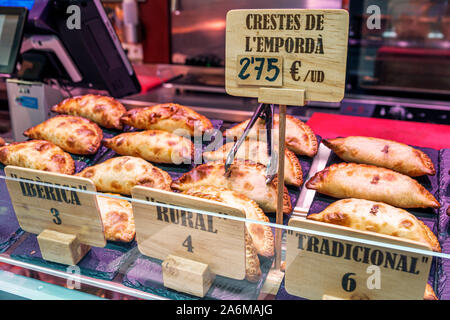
[444, 211]
[146, 274]
[10, 230]
[101, 263]
[428, 216]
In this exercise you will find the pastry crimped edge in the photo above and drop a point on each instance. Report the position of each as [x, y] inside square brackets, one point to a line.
[320, 176]
[287, 206]
[309, 132]
[98, 137]
[129, 236]
[206, 123]
[296, 166]
[71, 164]
[116, 125]
[252, 265]
[426, 161]
[201, 192]
[110, 142]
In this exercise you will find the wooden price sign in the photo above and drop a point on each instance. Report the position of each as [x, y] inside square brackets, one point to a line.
[287, 56]
[67, 222]
[194, 246]
[327, 268]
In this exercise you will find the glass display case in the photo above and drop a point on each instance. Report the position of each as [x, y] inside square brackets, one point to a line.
[404, 52]
[214, 242]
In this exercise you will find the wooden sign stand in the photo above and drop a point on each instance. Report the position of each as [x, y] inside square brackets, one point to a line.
[183, 239]
[286, 57]
[187, 275]
[67, 222]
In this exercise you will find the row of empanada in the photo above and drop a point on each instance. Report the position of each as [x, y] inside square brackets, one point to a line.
[109, 113]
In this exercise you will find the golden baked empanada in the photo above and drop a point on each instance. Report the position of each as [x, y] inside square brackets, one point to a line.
[300, 139]
[252, 266]
[377, 217]
[103, 110]
[351, 180]
[73, 134]
[121, 174]
[256, 151]
[429, 293]
[262, 235]
[117, 218]
[383, 153]
[168, 117]
[153, 145]
[245, 177]
[38, 155]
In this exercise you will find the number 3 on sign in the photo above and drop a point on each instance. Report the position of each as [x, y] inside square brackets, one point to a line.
[260, 71]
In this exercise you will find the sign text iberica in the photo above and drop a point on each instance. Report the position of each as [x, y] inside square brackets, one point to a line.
[287, 48]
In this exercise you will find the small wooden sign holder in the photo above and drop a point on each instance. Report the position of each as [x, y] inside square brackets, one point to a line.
[194, 247]
[359, 271]
[67, 222]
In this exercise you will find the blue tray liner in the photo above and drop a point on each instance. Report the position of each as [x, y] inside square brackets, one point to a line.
[101, 263]
[146, 275]
[428, 216]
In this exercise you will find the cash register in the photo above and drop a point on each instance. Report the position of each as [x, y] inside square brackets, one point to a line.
[52, 49]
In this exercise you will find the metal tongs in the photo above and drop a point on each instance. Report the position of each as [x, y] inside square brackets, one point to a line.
[265, 112]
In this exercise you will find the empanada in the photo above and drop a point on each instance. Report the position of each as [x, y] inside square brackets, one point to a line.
[429, 293]
[377, 217]
[153, 145]
[73, 134]
[121, 174]
[351, 180]
[300, 139]
[262, 235]
[38, 155]
[117, 218]
[245, 177]
[103, 110]
[256, 151]
[168, 117]
[252, 266]
[383, 153]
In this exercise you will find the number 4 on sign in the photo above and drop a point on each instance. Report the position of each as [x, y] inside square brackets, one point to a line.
[188, 244]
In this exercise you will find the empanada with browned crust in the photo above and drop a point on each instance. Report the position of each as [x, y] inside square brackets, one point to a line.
[38, 155]
[383, 153]
[256, 151]
[73, 134]
[351, 180]
[261, 234]
[300, 139]
[117, 218]
[153, 145]
[429, 293]
[252, 266]
[103, 110]
[121, 174]
[377, 217]
[168, 117]
[245, 177]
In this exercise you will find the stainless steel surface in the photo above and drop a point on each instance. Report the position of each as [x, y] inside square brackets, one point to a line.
[198, 26]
